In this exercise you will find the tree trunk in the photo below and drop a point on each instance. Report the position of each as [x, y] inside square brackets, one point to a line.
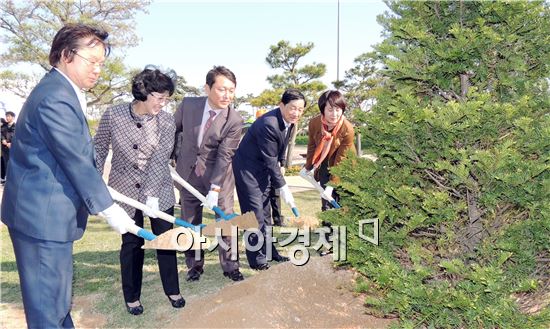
[474, 232]
[464, 84]
[290, 148]
[358, 143]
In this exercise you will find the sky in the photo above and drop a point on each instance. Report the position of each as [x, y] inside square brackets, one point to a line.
[191, 36]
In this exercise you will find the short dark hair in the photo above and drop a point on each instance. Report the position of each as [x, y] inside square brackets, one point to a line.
[10, 113]
[152, 80]
[219, 70]
[334, 98]
[292, 94]
[69, 39]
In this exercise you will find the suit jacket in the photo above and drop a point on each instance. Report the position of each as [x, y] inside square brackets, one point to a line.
[263, 148]
[52, 181]
[342, 142]
[127, 134]
[217, 147]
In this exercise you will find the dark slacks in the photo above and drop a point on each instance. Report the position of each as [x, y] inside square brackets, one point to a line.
[253, 193]
[274, 212]
[324, 178]
[191, 211]
[5, 159]
[45, 275]
[131, 260]
[3, 168]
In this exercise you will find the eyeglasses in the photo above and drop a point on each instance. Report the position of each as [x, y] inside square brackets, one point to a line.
[89, 62]
[160, 99]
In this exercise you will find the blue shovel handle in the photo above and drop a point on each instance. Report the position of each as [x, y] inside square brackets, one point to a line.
[183, 223]
[147, 235]
[222, 214]
[295, 212]
[335, 204]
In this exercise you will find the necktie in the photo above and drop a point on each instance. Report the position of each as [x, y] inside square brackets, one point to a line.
[208, 122]
[288, 132]
[199, 169]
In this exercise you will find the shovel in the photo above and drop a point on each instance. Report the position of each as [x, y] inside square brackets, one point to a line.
[141, 232]
[309, 177]
[158, 214]
[177, 178]
[181, 238]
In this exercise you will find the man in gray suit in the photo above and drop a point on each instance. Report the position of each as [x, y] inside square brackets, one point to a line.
[53, 183]
[211, 131]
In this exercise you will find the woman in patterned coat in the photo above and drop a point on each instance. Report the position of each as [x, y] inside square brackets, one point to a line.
[142, 138]
[330, 137]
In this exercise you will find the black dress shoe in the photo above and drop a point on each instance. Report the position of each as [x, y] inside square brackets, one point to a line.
[261, 267]
[235, 275]
[280, 258]
[135, 310]
[178, 303]
[194, 275]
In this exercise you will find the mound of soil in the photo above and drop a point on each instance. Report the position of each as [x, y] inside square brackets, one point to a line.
[285, 296]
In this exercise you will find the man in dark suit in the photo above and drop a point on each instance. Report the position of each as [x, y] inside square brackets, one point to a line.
[256, 168]
[8, 130]
[53, 183]
[274, 213]
[211, 131]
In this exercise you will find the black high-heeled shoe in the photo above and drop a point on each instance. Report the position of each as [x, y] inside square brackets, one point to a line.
[178, 303]
[134, 310]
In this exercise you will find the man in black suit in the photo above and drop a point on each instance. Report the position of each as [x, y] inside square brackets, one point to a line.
[8, 131]
[256, 168]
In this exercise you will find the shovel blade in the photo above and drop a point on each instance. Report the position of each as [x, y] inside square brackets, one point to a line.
[243, 222]
[179, 239]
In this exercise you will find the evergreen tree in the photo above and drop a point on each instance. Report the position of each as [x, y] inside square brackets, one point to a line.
[285, 57]
[461, 187]
[27, 30]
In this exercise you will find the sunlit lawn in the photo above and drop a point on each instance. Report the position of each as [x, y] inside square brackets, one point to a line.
[97, 272]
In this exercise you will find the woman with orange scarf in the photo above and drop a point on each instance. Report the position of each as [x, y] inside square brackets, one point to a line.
[331, 135]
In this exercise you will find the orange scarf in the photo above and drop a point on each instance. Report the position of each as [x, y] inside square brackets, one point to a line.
[321, 151]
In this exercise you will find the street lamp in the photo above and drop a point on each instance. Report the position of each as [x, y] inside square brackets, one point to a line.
[338, 45]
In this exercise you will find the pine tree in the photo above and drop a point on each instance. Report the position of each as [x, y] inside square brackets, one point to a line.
[461, 129]
[283, 56]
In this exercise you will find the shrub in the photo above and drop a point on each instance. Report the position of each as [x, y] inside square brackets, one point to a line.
[461, 187]
[440, 168]
[302, 140]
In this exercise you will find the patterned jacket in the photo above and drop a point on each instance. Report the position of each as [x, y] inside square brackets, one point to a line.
[141, 151]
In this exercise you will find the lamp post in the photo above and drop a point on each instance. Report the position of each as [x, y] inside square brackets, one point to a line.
[338, 45]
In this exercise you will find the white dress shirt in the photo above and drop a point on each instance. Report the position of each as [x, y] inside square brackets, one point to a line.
[205, 116]
[79, 92]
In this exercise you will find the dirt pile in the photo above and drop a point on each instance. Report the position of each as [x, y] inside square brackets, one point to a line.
[285, 296]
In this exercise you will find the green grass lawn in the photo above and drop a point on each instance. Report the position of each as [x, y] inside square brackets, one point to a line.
[97, 272]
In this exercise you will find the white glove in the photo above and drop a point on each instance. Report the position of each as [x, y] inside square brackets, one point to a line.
[306, 173]
[287, 196]
[283, 169]
[327, 193]
[153, 204]
[117, 218]
[212, 199]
